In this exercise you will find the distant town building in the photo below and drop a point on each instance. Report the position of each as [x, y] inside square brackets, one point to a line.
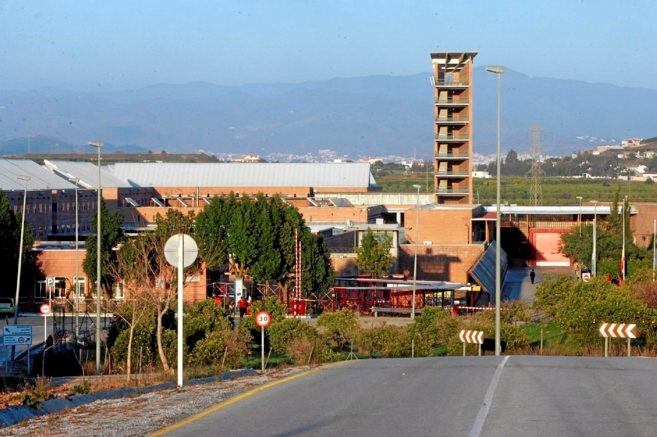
[631, 142]
[481, 174]
[249, 157]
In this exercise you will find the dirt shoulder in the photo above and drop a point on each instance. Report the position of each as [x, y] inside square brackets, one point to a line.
[141, 414]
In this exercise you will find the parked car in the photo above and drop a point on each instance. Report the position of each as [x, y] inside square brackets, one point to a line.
[6, 305]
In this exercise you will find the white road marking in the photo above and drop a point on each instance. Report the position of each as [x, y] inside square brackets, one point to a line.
[488, 400]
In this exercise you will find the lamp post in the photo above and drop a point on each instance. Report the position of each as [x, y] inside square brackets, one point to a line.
[623, 247]
[98, 145]
[498, 70]
[654, 255]
[76, 280]
[25, 179]
[417, 240]
[579, 217]
[594, 255]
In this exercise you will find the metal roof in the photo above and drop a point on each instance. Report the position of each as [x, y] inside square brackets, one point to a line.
[553, 210]
[164, 174]
[87, 172]
[40, 178]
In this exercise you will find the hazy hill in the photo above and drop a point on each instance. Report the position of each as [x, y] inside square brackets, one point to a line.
[374, 115]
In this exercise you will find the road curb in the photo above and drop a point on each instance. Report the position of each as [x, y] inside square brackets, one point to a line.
[235, 399]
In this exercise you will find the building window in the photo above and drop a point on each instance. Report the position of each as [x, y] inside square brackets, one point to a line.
[79, 282]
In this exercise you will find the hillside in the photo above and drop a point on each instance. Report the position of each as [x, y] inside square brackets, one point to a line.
[375, 115]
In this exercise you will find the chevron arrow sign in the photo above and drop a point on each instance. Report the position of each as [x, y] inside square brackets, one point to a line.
[469, 336]
[617, 330]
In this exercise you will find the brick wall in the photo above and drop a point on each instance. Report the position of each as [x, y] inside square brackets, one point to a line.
[440, 262]
[439, 226]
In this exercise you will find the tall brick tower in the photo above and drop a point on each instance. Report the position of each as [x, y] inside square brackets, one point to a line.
[452, 165]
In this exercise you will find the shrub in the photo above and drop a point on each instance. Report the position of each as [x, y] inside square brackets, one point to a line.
[223, 345]
[83, 388]
[434, 327]
[35, 395]
[202, 318]
[384, 341]
[285, 332]
[143, 343]
[341, 327]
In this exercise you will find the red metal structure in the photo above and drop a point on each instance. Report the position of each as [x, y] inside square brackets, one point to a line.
[363, 294]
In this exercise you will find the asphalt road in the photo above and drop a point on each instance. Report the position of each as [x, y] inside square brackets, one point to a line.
[487, 396]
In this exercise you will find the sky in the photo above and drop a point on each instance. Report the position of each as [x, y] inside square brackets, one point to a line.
[126, 44]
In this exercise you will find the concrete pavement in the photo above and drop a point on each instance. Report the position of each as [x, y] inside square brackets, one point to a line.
[488, 396]
[517, 283]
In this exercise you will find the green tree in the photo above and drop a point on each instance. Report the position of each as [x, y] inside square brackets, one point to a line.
[373, 257]
[255, 238]
[9, 242]
[110, 237]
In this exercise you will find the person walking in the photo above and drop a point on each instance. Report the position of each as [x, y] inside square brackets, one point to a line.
[532, 275]
[241, 306]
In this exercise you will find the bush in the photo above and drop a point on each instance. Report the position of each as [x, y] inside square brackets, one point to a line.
[341, 327]
[285, 332]
[223, 344]
[434, 327]
[384, 341]
[202, 318]
[35, 395]
[83, 388]
[143, 343]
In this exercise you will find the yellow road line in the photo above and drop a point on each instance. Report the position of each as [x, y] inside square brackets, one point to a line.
[228, 402]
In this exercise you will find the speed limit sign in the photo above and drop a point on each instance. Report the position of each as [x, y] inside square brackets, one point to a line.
[263, 319]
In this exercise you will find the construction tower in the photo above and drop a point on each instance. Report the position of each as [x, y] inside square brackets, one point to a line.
[452, 80]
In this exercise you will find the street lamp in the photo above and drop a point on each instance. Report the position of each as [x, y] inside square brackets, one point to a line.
[76, 280]
[25, 179]
[498, 70]
[98, 145]
[579, 218]
[417, 240]
[623, 250]
[594, 255]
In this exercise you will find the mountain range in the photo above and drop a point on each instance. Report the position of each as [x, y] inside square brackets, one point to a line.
[372, 115]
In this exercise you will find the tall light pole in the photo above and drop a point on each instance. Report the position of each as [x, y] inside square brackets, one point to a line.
[498, 70]
[654, 255]
[25, 179]
[623, 248]
[579, 217]
[417, 241]
[76, 280]
[594, 255]
[98, 145]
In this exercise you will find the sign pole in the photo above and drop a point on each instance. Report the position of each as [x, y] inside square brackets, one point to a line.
[463, 348]
[45, 328]
[262, 349]
[629, 347]
[606, 347]
[479, 349]
[181, 254]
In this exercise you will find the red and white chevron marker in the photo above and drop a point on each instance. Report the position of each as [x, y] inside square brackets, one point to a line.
[617, 330]
[469, 336]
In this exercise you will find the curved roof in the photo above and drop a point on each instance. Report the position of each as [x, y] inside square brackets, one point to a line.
[164, 174]
[40, 178]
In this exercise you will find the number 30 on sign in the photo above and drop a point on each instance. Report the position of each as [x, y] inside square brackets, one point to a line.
[263, 319]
